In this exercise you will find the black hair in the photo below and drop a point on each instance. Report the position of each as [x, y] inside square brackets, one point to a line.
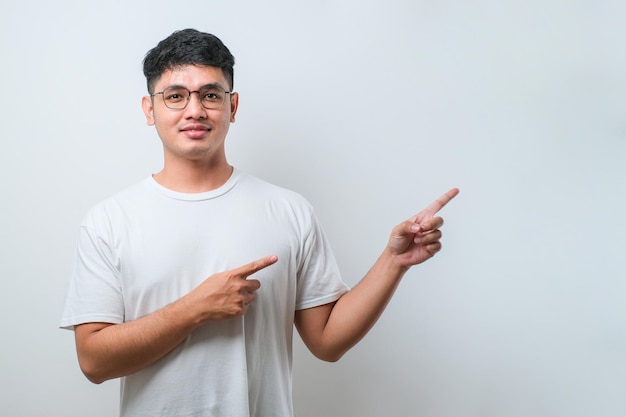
[187, 47]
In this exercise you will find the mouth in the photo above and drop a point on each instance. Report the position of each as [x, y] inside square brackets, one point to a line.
[195, 131]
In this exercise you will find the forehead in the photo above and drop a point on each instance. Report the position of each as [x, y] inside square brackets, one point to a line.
[192, 77]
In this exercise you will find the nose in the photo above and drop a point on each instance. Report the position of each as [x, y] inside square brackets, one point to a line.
[194, 108]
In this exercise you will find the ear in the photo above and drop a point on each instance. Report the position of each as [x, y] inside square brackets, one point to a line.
[148, 109]
[234, 104]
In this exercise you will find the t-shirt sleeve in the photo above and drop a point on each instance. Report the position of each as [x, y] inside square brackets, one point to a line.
[319, 278]
[94, 293]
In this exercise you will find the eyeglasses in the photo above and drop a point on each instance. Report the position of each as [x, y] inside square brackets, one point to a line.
[177, 98]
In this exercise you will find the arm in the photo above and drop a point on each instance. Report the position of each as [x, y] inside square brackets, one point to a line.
[107, 351]
[332, 329]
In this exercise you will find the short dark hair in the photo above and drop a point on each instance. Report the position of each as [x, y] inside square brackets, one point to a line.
[187, 47]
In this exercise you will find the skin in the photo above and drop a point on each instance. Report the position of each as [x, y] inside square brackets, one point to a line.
[195, 161]
[331, 330]
[193, 138]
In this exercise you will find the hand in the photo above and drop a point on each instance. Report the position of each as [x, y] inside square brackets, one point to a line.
[417, 239]
[227, 294]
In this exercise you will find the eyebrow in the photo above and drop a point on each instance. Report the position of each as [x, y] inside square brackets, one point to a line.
[204, 87]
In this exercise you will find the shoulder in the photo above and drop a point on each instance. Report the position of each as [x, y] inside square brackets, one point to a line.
[272, 193]
[118, 205]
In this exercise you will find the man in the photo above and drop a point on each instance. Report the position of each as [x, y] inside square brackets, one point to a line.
[159, 296]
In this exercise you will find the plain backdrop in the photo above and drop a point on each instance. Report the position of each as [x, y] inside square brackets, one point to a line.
[371, 110]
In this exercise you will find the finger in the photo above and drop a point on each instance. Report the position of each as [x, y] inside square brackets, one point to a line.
[249, 298]
[431, 224]
[255, 266]
[439, 203]
[252, 285]
[433, 248]
[428, 238]
[407, 227]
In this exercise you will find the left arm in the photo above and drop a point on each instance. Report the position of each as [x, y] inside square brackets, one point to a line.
[330, 330]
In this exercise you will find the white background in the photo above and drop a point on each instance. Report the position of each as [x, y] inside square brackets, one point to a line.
[371, 110]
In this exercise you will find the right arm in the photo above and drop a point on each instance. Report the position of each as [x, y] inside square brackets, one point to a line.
[107, 350]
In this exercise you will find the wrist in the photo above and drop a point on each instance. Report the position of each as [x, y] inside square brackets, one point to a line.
[391, 262]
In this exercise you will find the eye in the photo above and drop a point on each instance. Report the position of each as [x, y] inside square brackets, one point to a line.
[212, 95]
[174, 96]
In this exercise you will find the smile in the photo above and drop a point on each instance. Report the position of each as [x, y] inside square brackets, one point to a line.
[195, 131]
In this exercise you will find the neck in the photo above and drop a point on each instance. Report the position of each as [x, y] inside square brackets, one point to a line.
[194, 176]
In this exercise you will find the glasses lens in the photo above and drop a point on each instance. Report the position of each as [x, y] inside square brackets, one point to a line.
[211, 97]
[175, 98]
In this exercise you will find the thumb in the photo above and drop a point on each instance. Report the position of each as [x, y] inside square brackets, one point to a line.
[402, 235]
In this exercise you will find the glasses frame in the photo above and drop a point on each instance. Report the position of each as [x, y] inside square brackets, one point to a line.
[189, 96]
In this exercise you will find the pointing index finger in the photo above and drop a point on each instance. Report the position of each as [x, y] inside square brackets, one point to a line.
[256, 266]
[439, 203]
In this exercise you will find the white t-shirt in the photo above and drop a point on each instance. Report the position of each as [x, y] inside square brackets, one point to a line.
[148, 246]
